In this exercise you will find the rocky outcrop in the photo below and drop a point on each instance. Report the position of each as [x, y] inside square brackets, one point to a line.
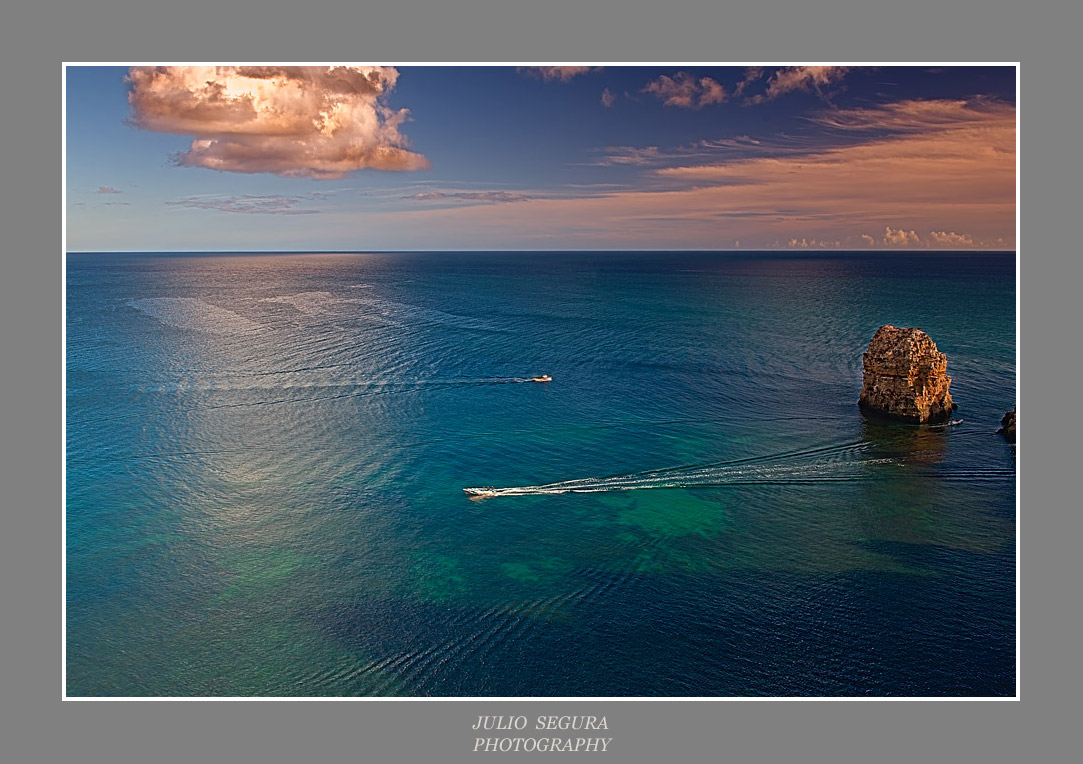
[1008, 426]
[905, 376]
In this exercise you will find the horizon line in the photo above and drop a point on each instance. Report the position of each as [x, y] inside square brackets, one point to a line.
[788, 250]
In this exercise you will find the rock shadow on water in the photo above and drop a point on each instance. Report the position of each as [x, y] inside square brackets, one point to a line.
[915, 444]
[922, 493]
[904, 498]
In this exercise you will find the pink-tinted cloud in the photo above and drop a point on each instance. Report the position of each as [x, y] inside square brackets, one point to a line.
[562, 73]
[608, 98]
[946, 155]
[299, 121]
[631, 155]
[805, 78]
[686, 91]
[911, 239]
[473, 196]
[897, 237]
[913, 116]
[916, 166]
[245, 204]
[716, 149]
[950, 239]
[109, 190]
[752, 74]
[804, 243]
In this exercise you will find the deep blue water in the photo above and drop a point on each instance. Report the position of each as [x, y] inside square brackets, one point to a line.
[266, 457]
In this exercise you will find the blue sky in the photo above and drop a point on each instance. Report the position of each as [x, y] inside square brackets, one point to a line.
[385, 158]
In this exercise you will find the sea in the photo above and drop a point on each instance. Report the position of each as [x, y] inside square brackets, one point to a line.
[266, 456]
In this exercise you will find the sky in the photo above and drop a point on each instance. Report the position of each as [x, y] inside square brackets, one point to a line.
[349, 158]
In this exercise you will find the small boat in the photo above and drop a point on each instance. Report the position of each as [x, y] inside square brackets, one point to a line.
[480, 491]
[542, 378]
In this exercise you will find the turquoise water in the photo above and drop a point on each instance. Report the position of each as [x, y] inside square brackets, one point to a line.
[266, 456]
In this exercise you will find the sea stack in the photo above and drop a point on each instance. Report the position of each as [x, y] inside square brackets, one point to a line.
[1008, 426]
[906, 377]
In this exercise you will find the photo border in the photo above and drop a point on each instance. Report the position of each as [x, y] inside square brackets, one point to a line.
[43, 728]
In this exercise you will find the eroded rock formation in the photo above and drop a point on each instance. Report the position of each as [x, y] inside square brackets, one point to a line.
[905, 376]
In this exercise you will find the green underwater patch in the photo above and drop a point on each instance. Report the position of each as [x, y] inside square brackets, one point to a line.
[262, 573]
[439, 577]
[667, 513]
[538, 572]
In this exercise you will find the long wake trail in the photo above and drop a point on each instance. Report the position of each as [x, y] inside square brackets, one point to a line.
[837, 463]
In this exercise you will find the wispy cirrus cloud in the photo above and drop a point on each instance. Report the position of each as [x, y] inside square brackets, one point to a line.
[805, 78]
[562, 73]
[686, 91]
[920, 116]
[608, 98]
[711, 149]
[246, 204]
[958, 151]
[921, 172]
[640, 156]
[752, 74]
[473, 196]
[108, 190]
[296, 121]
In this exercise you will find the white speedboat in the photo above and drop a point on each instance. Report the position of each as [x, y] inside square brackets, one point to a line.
[480, 491]
[542, 378]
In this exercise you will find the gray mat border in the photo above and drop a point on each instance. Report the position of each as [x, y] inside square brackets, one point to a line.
[36, 39]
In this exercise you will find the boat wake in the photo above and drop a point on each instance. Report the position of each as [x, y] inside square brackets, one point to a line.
[837, 463]
[845, 462]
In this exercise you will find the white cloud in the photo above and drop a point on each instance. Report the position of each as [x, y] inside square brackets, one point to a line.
[951, 239]
[804, 243]
[900, 238]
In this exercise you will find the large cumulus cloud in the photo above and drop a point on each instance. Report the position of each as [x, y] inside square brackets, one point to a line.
[300, 121]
